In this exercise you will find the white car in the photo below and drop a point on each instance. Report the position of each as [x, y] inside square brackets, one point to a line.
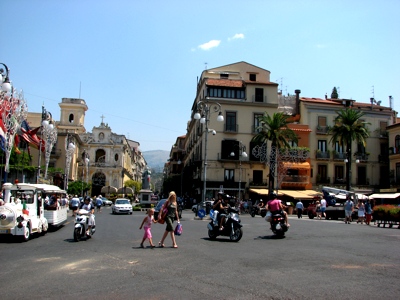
[199, 205]
[122, 206]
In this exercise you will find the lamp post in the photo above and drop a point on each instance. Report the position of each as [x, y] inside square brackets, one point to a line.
[242, 153]
[87, 160]
[348, 167]
[14, 111]
[49, 134]
[203, 112]
[69, 151]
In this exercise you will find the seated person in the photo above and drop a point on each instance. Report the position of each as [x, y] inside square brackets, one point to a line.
[260, 206]
[217, 210]
[275, 207]
[224, 208]
[89, 207]
[53, 203]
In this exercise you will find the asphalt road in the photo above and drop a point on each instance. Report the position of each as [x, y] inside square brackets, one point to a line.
[317, 259]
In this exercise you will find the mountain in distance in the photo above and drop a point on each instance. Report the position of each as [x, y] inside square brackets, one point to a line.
[156, 159]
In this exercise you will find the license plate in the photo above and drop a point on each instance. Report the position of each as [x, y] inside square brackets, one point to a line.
[4, 230]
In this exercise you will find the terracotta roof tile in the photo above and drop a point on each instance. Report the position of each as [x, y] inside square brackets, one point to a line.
[225, 82]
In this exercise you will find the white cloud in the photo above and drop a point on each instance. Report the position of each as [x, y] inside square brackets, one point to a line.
[236, 36]
[210, 44]
[320, 46]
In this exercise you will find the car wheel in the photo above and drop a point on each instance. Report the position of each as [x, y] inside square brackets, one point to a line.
[311, 215]
[237, 235]
[27, 233]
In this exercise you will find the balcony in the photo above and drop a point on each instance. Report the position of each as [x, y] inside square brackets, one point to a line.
[299, 154]
[55, 153]
[361, 156]
[294, 180]
[323, 180]
[231, 127]
[322, 155]
[257, 183]
[322, 129]
[383, 158]
[339, 155]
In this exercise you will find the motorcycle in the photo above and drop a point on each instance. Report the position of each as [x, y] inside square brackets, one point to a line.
[278, 225]
[81, 223]
[232, 227]
[256, 211]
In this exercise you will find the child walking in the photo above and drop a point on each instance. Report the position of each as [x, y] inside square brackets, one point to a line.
[147, 227]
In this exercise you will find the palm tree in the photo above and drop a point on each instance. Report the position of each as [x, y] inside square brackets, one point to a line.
[274, 129]
[348, 128]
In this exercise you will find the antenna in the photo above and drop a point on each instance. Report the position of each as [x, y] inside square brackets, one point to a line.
[281, 82]
[205, 66]
[80, 86]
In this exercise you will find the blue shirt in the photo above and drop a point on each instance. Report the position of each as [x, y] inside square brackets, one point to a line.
[348, 205]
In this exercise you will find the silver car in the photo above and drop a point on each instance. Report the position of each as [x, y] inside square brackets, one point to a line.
[122, 206]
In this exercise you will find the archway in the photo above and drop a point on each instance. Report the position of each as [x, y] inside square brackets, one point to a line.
[98, 181]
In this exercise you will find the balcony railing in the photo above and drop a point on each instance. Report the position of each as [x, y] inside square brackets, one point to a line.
[231, 127]
[322, 129]
[339, 155]
[361, 156]
[322, 155]
[299, 153]
[257, 183]
[295, 179]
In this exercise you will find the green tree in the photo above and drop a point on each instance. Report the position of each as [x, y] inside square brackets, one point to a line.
[134, 184]
[78, 188]
[348, 128]
[334, 94]
[276, 130]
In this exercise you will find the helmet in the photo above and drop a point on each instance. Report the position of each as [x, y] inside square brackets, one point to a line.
[273, 195]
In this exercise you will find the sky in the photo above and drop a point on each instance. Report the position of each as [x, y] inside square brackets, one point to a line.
[137, 62]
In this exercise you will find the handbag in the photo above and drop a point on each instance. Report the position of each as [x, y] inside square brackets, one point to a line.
[178, 229]
[162, 214]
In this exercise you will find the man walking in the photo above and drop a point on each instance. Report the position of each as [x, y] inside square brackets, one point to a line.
[323, 207]
[299, 207]
[348, 209]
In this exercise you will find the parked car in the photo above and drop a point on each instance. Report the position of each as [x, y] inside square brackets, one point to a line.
[106, 202]
[160, 204]
[122, 206]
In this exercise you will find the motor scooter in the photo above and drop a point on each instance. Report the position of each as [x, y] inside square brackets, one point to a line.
[278, 225]
[232, 227]
[81, 224]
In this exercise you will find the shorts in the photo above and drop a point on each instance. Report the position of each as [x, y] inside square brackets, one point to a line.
[348, 213]
[323, 209]
[74, 207]
[98, 206]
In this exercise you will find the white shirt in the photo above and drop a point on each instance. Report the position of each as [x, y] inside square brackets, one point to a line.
[323, 202]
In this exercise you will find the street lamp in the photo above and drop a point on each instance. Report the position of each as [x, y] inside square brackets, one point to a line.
[348, 168]
[87, 166]
[69, 151]
[49, 135]
[242, 153]
[14, 111]
[203, 112]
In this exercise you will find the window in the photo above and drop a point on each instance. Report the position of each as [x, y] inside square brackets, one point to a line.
[339, 174]
[397, 172]
[338, 147]
[226, 93]
[293, 144]
[257, 176]
[322, 121]
[397, 141]
[71, 118]
[224, 76]
[259, 95]
[360, 148]
[229, 175]
[257, 123]
[227, 146]
[253, 77]
[116, 157]
[322, 145]
[322, 172]
[230, 121]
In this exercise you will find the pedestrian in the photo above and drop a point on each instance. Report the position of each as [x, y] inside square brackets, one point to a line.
[348, 209]
[74, 205]
[172, 206]
[323, 207]
[368, 212]
[147, 227]
[99, 203]
[299, 208]
[361, 212]
[318, 210]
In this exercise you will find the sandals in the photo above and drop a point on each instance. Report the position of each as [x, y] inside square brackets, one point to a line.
[161, 245]
[141, 246]
[175, 246]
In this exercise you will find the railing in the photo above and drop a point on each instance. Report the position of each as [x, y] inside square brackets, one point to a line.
[322, 129]
[339, 155]
[322, 155]
[231, 128]
[362, 156]
[257, 183]
[295, 179]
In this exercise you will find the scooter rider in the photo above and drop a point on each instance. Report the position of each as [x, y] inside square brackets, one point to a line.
[275, 206]
[260, 206]
[89, 207]
[223, 207]
[216, 208]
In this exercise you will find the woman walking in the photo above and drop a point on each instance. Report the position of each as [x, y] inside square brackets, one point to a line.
[172, 206]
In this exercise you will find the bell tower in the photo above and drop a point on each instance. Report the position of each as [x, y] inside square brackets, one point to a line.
[72, 115]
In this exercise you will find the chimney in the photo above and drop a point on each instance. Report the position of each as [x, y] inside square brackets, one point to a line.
[297, 92]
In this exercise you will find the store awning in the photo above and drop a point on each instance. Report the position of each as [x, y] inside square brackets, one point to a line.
[385, 196]
[300, 194]
[298, 165]
[260, 191]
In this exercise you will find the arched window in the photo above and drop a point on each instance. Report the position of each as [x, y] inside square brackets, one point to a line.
[100, 156]
[116, 156]
[71, 118]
